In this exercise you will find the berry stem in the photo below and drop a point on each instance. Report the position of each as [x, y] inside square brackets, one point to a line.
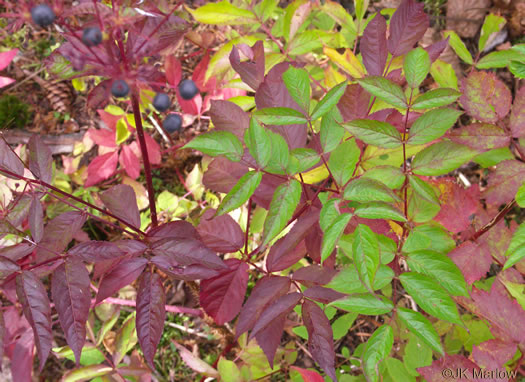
[145, 157]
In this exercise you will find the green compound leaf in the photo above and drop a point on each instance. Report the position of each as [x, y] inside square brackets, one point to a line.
[378, 347]
[459, 47]
[432, 125]
[279, 116]
[343, 160]
[416, 66]
[366, 256]
[284, 202]
[379, 210]
[430, 296]
[364, 190]
[435, 98]
[329, 101]
[240, 193]
[332, 235]
[298, 84]
[364, 303]
[259, 143]
[385, 90]
[441, 158]
[424, 189]
[222, 13]
[376, 133]
[217, 143]
[422, 327]
[516, 249]
[440, 268]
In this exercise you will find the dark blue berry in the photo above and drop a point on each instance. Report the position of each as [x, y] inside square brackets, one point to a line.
[188, 89]
[92, 36]
[42, 15]
[172, 123]
[119, 88]
[162, 102]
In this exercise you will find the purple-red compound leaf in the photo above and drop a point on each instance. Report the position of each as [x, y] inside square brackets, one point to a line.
[36, 219]
[40, 159]
[407, 26]
[269, 338]
[101, 168]
[22, 357]
[7, 267]
[37, 310]
[59, 232]
[314, 275]
[373, 46]
[93, 251]
[320, 337]
[223, 174]
[280, 307]
[480, 136]
[252, 70]
[456, 366]
[72, 298]
[354, 103]
[321, 294]
[222, 296]
[9, 160]
[485, 97]
[150, 314]
[227, 116]
[124, 273]
[122, 202]
[179, 229]
[504, 182]
[221, 234]
[493, 354]
[472, 259]
[187, 273]
[266, 291]
[187, 252]
[17, 251]
[517, 115]
[308, 375]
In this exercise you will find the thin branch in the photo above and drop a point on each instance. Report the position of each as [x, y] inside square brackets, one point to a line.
[493, 222]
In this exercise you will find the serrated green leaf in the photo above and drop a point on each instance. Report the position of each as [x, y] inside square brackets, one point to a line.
[347, 280]
[385, 90]
[302, 159]
[432, 125]
[365, 249]
[329, 101]
[429, 236]
[418, 353]
[459, 47]
[397, 371]
[279, 116]
[222, 13]
[435, 98]
[376, 133]
[441, 158]
[517, 68]
[499, 59]
[331, 132]
[492, 24]
[379, 210]
[342, 324]
[266, 8]
[364, 303]
[420, 210]
[280, 157]
[87, 373]
[430, 296]
[440, 268]
[391, 176]
[516, 250]
[343, 160]
[298, 84]
[378, 347]
[444, 74]
[240, 193]
[422, 327]
[307, 41]
[424, 189]
[365, 190]
[258, 142]
[416, 66]
[329, 213]
[217, 143]
[520, 196]
[228, 371]
[283, 204]
[332, 235]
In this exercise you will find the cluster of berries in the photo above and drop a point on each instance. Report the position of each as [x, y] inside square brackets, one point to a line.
[44, 16]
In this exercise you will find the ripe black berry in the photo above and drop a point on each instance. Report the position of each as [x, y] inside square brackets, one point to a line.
[162, 102]
[172, 123]
[92, 36]
[188, 89]
[119, 88]
[42, 15]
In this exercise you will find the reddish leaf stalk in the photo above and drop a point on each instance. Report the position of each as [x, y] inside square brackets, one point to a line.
[493, 222]
[53, 188]
[145, 157]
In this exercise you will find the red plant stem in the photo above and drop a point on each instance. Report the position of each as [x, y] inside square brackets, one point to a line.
[145, 157]
[493, 222]
[166, 17]
[169, 308]
[53, 188]
[98, 15]
[405, 185]
[88, 47]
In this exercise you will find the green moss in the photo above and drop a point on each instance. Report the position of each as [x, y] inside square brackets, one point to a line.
[13, 112]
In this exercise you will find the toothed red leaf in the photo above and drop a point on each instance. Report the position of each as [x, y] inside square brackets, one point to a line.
[373, 46]
[93, 251]
[124, 273]
[121, 201]
[101, 168]
[221, 234]
[407, 27]
[40, 159]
